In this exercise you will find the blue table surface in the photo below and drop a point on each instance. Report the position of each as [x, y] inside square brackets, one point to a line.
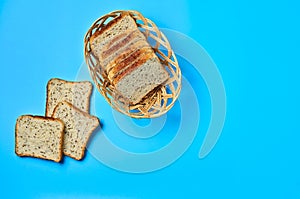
[254, 44]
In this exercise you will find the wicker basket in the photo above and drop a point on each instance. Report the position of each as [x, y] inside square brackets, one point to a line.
[157, 102]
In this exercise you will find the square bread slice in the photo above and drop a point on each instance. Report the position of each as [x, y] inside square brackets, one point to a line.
[76, 93]
[39, 137]
[78, 128]
[127, 59]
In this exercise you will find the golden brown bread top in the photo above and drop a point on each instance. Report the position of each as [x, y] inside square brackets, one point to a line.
[123, 66]
[129, 55]
[119, 41]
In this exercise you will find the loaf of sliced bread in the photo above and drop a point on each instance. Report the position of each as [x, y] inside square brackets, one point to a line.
[78, 128]
[127, 59]
[39, 137]
[76, 93]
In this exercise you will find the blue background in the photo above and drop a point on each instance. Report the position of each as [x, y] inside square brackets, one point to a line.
[255, 45]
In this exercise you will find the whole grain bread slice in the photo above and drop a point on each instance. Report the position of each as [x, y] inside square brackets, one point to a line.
[39, 137]
[78, 128]
[76, 93]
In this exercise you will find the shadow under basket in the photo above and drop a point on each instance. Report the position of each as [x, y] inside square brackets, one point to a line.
[158, 101]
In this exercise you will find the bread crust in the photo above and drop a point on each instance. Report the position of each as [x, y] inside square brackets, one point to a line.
[47, 112]
[89, 133]
[41, 118]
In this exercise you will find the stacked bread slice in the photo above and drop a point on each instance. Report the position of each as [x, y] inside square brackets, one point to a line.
[76, 93]
[78, 128]
[65, 129]
[127, 59]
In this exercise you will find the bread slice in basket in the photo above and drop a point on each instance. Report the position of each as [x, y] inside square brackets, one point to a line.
[78, 128]
[39, 137]
[76, 93]
[127, 59]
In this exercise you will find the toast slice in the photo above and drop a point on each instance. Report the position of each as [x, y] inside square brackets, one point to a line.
[39, 137]
[76, 93]
[131, 55]
[78, 128]
[127, 59]
[114, 28]
[119, 44]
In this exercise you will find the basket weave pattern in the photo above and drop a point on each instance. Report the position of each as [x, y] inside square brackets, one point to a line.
[157, 102]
